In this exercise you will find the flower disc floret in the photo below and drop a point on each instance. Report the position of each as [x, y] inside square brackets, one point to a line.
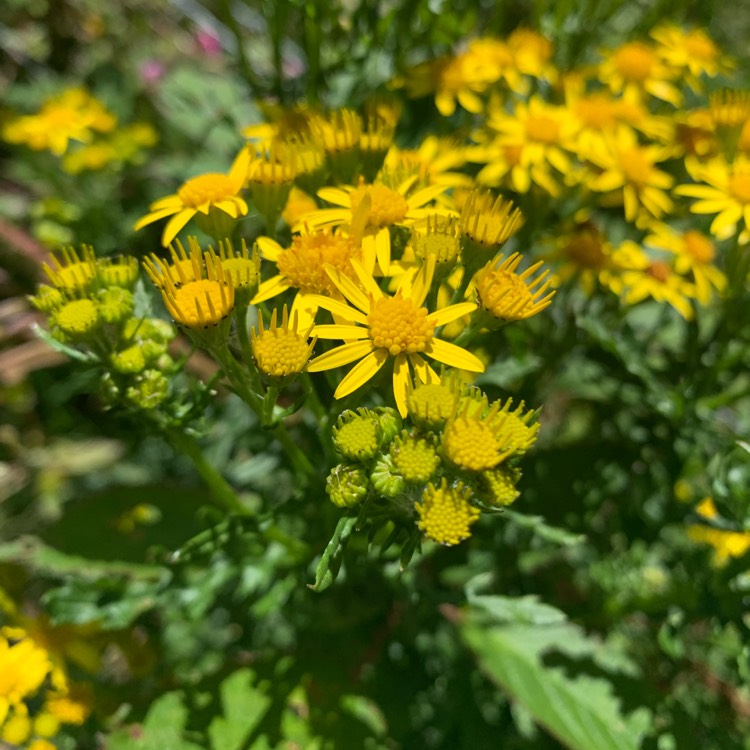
[280, 351]
[414, 457]
[243, 268]
[398, 325]
[445, 513]
[387, 207]
[78, 317]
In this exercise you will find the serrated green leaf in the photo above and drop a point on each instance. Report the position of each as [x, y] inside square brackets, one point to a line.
[244, 707]
[58, 346]
[582, 712]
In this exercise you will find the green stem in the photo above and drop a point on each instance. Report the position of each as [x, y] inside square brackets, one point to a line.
[300, 462]
[221, 492]
[266, 418]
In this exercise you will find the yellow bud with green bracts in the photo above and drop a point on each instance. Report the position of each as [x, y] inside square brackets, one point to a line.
[47, 298]
[77, 318]
[415, 458]
[357, 435]
[115, 304]
[386, 479]
[347, 485]
[499, 485]
[445, 512]
[121, 271]
[129, 361]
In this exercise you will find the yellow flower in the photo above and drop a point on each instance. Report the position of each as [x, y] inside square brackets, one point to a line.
[538, 136]
[23, 668]
[183, 268]
[212, 195]
[508, 295]
[433, 404]
[433, 162]
[726, 194]
[440, 239]
[270, 177]
[302, 267]
[389, 327]
[70, 272]
[203, 296]
[692, 51]
[415, 457]
[298, 204]
[340, 134]
[77, 317]
[531, 53]
[243, 268]
[445, 513]
[694, 253]
[640, 277]
[479, 437]
[73, 115]
[635, 69]
[119, 271]
[630, 169]
[500, 485]
[370, 210]
[281, 351]
[486, 223]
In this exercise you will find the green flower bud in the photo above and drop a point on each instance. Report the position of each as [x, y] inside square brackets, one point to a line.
[346, 485]
[389, 423]
[115, 304]
[152, 349]
[130, 360]
[149, 390]
[142, 329]
[77, 318]
[385, 478]
[47, 298]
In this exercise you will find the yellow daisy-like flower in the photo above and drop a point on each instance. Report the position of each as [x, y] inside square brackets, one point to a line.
[73, 115]
[389, 327]
[185, 266]
[694, 253]
[433, 404]
[204, 294]
[726, 194]
[23, 668]
[640, 277]
[270, 177]
[70, 272]
[635, 69]
[531, 53]
[500, 485]
[540, 135]
[298, 204]
[479, 438]
[302, 265]
[440, 239]
[690, 50]
[508, 295]
[445, 513]
[340, 133]
[629, 169]
[281, 351]
[208, 197]
[370, 210]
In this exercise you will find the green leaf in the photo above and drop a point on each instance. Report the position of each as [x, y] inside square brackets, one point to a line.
[58, 346]
[162, 729]
[581, 711]
[244, 707]
[330, 561]
[543, 530]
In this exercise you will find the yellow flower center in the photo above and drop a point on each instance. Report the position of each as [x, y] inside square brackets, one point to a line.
[585, 249]
[241, 271]
[200, 303]
[659, 270]
[635, 166]
[635, 61]
[398, 325]
[471, 444]
[739, 187]
[206, 188]
[513, 154]
[597, 111]
[698, 246]
[445, 514]
[303, 264]
[358, 438]
[387, 207]
[433, 404]
[415, 458]
[698, 45]
[77, 317]
[543, 129]
[281, 352]
[500, 485]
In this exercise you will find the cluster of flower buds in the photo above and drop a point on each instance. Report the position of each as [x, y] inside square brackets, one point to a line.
[453, 456]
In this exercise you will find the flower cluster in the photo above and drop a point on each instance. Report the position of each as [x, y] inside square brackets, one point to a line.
[616, 146]
[36, 695]
[453, 456]
[77, 127]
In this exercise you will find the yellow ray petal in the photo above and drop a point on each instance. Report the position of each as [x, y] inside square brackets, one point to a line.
[154, 216]
[425, 373]
[175, 225]
[454, 356]
[361, 372]
[401, 383]
[337, 196]
[270, 288]
[348, 288]
[339, 308]
[367, 280]
[341, 355]
[340, 331]
[451, 313]
[269, 249]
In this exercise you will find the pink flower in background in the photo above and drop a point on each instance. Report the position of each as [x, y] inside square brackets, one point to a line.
[209, 42]
[151, 71]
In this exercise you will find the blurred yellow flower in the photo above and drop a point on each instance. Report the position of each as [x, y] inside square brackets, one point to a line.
[23, 668]
[691, 51]
[726, 544]
[389, 327]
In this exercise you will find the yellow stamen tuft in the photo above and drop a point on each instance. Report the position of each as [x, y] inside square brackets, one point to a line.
[507, 295]
[77, 318]
[398, 325]
[280, 351]
[387, 207]
[415, 457]
[445, 514]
